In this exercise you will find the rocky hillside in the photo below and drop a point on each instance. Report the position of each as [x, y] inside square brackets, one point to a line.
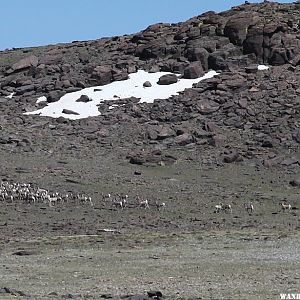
[241, 114]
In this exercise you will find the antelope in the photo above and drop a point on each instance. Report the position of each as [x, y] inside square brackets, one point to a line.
[227, 207]
[118, 204]
[249, 208]
[124, 199]
[144, 203]
[160, 206]
[221, 206]
[52, 200]
[218, 208]
[106, 197]
[84, 199]
[286, 206]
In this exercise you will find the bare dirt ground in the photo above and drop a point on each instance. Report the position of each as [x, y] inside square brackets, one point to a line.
[186, 251]
[196, 265]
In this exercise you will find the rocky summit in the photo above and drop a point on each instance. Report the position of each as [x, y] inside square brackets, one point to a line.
[214, 164]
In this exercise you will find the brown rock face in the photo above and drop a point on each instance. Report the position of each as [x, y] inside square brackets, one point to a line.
[25, 63]
[237, 26]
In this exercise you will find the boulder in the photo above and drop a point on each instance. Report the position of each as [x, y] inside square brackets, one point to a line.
[69, 112]
[54, 96]
[167, 79]
[296, 135]
[155, 294]
[232, 157]
[237, 26]
[165, 132]
[254, 40]
[193, 71]
[84, 98]
[184, 139]
[118, 75]
[137, 160]
[295, 182]
[153, 49]
[102, 75]
[147, 84]
[218, 60]
[27, 62]
[251, 69]
[199, 54]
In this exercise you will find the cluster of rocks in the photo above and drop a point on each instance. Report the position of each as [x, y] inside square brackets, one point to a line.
[148, 296]
[242, 112]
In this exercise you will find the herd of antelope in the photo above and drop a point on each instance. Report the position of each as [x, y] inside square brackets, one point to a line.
[10, 192]
[121, 201]
[26, 193]
[248, 207]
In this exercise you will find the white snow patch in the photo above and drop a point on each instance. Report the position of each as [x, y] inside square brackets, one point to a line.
[10, 96]
[132, 87]
[262, 67]
[41, 99]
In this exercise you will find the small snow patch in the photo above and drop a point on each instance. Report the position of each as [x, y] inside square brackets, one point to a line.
[10, 96]
[262, 67]
[41, 99]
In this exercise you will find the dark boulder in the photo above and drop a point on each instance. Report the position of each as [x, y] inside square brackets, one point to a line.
[69, 112]
[147, 84]
[237, 26]
[200, 54]
[54, 96]
[102, 75]
[155, 294]
[137, 160]
[218, 60]
[254, 41]
[232, 157]
[193, 71]
[84, 98]
[251, 69]
[167, 79]
[153, 49]
[295, 182]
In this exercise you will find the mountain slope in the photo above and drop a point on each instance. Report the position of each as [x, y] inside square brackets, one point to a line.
[243, 113]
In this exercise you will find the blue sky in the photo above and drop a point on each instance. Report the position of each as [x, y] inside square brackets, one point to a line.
[40, 22]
